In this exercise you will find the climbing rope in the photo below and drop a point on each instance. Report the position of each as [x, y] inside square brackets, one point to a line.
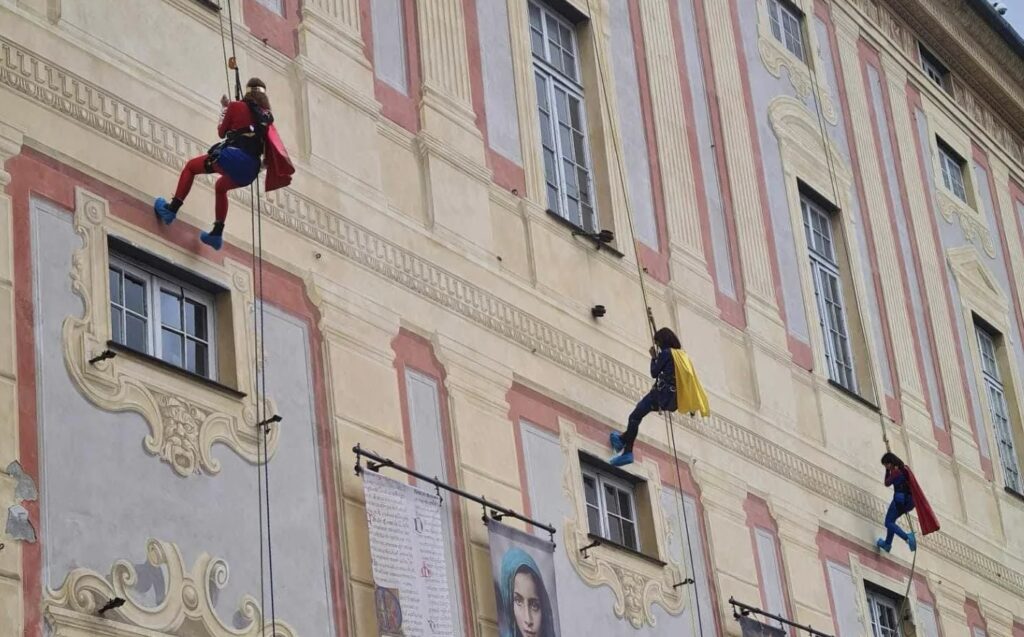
[259, 355]
[684, 537]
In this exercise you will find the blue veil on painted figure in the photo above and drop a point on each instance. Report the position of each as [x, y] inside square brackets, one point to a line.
[533, 600]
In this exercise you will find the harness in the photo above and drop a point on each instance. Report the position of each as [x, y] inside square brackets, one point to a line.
[250, 139]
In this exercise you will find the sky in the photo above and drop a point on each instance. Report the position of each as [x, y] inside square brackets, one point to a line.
[1015, 14]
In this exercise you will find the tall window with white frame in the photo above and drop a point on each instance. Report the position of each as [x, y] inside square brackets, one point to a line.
[933, 68]
[828, 293]
[611, 508]
[952, 170]
[787, 26]
[884, 614]
[563, 123]
[995, 393]
[157, 315]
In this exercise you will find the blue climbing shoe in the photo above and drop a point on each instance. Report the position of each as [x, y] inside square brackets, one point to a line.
[215, 241]
[616, 440]
[163, 211]
[912, 541]
[883, 545]
[621, 460]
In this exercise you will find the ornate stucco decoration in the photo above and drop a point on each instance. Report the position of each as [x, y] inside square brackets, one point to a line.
[777, 57]
[637, 583]
[186, 418]
[187, 607]
[971, 223]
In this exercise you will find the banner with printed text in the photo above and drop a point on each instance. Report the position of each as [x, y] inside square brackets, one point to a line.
[524, 582]
[408, 555]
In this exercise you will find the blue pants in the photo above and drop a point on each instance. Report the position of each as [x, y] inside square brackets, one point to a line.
[901, 504]
[650, 402]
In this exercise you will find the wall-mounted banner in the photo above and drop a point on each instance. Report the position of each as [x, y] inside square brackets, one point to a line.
[407, 552]
[753, 628]
[524, 582]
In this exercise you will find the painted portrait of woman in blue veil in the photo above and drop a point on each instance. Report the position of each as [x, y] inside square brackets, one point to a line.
[525, 606]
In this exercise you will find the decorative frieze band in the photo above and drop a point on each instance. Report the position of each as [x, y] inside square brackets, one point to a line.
[74, 97]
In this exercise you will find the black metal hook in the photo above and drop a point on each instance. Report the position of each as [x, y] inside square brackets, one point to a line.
[265, 424]
[586, 548]
[688, 580]
[102, 356]
[116, 602]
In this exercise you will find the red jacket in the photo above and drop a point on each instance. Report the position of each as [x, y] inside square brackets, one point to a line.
[275, 157]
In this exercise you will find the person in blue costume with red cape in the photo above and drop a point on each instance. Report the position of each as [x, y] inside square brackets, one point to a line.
[249, 140]
[676, 388]
[525, 605]
[906, 496]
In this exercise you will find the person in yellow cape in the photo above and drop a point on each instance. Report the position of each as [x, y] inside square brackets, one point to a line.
[676, 388]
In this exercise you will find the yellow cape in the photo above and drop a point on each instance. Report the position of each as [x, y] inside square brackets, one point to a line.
[690, 396]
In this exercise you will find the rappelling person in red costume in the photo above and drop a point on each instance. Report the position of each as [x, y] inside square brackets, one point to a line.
[906, 496]
[249, 140]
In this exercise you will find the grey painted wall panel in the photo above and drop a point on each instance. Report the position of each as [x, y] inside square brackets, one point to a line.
[926, 619]
[764, 88]
[102, 495]
[429, 456]
[844, 596]
[499, 84]
[389, 53]
[706, 149]
[631, 125]
[905, 247]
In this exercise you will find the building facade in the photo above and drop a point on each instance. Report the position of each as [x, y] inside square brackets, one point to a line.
[824, 198]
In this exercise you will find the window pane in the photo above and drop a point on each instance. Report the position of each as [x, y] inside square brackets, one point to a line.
[195, 319]
[197, 357]
[629, 535]
[614, 529]
[117, 325]
[172, 347]
[611, 499]
[594, 520]
[170, 309]
[535, 20]
[135, 295]
[590, 490]
[115, 287]
[135, 333]
[552, 199]
[624, 505]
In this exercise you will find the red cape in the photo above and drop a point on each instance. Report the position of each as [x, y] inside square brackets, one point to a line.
[925, 515]
[275, 158]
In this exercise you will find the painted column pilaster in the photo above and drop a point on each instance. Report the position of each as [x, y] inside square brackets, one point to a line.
[798, 533]
[751, 222]
[998, 619]
[876, 208]
[670, 123]
[330, 27]
[949, 600]
[723, 497]
[933, 269]
[11, 605]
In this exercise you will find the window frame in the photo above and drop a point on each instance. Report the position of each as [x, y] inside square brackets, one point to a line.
[554, 81]
[826, 276]
[876, 601]
[998, 407]
[948, 159]
[156, 281]
[602, 480]
[778, 12]
[933, 68]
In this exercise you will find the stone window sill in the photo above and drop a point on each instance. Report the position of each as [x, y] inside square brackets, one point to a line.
[174, 369]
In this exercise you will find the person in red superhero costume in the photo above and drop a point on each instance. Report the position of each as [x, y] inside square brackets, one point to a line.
[907, 496]
[249, 140]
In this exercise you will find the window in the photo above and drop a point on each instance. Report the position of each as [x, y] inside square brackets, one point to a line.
[952, 171]
[828, 293]
[997, 406]
[787, 26]
[276, 6]
[935, 70]
[884, 615]
[159, 316]
[611, 508]
[563, 127]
